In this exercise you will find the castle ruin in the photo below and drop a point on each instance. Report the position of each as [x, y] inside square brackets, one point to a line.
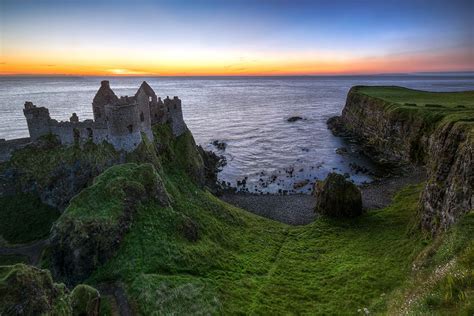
[118, 121]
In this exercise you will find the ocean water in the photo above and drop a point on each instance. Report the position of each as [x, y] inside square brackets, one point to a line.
[249, 114]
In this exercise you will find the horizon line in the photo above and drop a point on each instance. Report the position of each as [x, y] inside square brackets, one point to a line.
[463, 72]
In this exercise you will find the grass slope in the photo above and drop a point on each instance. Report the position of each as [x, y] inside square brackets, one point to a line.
[245, 264]
[250, 265]
[434, 106]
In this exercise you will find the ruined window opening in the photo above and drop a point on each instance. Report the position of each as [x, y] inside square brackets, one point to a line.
[76, 135]
[168, 110]
[130, 128]
[90, 133]
[175, 106]
[142, 117]
[149, 99]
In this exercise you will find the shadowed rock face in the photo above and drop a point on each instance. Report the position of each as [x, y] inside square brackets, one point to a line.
[445, 148]
[337, 197]
[449, 191]
[86, 237]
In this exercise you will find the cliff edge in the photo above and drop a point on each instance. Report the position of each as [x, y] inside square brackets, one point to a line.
[401, 126]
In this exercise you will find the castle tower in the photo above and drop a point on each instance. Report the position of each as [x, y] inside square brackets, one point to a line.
[38, 120]
[104, 96]
[174, 114]
[123, 126]
[143, 108]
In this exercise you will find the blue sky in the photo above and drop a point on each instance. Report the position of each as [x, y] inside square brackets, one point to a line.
[261, 35]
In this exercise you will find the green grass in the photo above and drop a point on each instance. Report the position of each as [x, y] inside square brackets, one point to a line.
[450, 292]
[104, 199]
[402, 96]
[23, 218]
[245, 264]
[450, 106]
[38, 163]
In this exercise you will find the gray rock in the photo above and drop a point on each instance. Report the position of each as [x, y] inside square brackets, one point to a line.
[337, 197]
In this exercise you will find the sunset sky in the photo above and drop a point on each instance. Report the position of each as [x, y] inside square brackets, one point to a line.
[235, 37]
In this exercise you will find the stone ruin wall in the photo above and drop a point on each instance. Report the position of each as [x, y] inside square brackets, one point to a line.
[174, 115]
[123, 126]
[8, 146]
[121, 121]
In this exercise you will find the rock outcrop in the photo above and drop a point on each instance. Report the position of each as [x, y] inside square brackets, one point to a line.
[54, 172]
[398, 135]
[337, 197]
[449, 192]
[93, 226]
[26, 290]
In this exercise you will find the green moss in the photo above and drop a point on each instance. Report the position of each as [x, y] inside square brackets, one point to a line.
[23, 218]
[31, 291]
[37, 163]
[27, 290]
[104, 199]
[85, 300]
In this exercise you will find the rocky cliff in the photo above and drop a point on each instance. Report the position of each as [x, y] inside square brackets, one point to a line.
[401, 126]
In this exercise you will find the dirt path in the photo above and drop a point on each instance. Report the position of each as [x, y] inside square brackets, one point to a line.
[31, 251]
[269, 274]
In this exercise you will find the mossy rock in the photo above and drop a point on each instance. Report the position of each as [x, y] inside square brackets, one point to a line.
[337, 197]
[26, 290]
[85, 300]
[90, 230]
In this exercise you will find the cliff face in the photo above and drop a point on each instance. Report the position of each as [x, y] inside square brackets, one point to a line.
[449, 191]
[404, 134]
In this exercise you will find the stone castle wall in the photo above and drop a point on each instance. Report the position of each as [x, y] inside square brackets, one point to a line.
[118, 121]
[8, 146]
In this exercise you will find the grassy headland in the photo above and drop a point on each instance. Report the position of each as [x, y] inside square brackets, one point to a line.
[239, 263]
[450, 106]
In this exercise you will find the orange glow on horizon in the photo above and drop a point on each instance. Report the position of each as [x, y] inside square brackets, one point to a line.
[231, 65]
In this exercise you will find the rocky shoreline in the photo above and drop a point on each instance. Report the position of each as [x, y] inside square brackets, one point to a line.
[299, 209]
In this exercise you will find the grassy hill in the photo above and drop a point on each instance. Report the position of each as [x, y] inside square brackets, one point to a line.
[239, 263]
[242, 263]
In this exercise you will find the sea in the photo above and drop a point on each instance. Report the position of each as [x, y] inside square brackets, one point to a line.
[264, 152]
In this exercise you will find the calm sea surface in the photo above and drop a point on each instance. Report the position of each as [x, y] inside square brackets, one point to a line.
[249, 114]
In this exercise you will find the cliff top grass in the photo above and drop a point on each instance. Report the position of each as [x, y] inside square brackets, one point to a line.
[446, 106]
[104, 199]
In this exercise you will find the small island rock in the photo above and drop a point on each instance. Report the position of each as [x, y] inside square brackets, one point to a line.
[294, 119]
